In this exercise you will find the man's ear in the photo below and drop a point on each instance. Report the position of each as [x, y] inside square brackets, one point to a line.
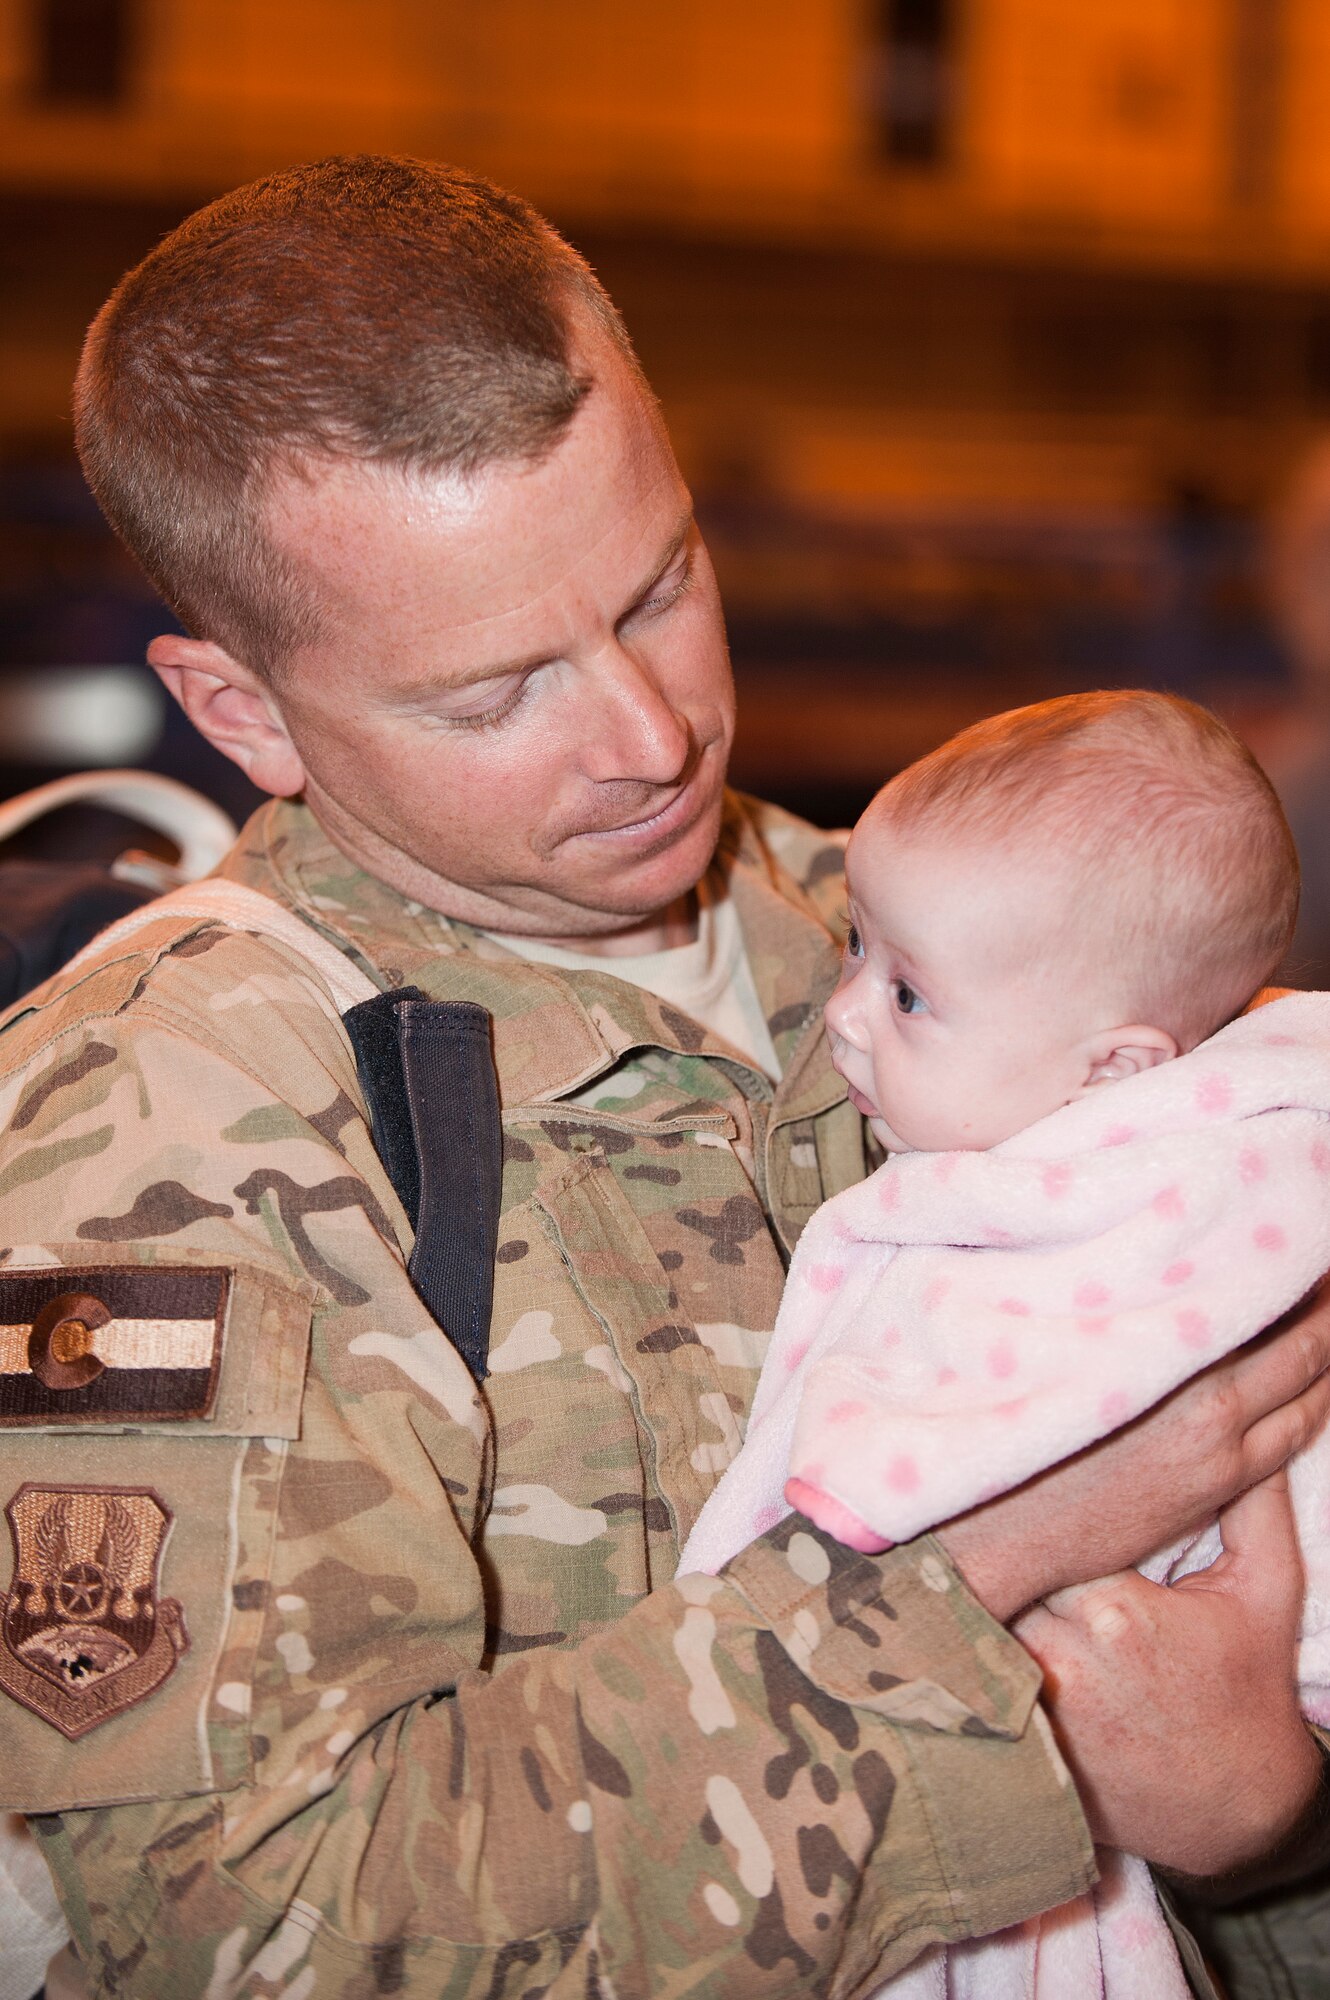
[228, 703]
[1123, 1052]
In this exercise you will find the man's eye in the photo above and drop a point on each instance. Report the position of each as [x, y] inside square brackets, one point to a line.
[666, 592]
[488, 718]
[907, 1000]
[854, 944]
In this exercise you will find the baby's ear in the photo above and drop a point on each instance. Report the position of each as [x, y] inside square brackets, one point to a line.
[1122, 1052]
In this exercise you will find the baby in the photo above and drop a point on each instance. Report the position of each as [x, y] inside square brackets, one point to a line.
[1082, 894]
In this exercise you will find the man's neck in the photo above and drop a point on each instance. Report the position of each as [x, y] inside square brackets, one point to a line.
[631, 937]
[665, 931]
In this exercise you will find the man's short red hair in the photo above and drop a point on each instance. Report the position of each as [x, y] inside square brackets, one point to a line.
[390, 310]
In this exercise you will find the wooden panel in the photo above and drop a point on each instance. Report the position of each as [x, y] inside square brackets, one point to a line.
[1116, 109]
[1304, 178]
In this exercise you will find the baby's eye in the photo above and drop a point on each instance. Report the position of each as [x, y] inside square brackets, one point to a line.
[854, 944]
[907, 1000]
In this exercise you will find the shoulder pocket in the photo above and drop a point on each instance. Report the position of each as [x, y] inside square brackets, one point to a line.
[145, 1411]
[189, 1344]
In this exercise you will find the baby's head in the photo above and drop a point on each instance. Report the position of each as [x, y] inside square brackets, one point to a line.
[1056, 899]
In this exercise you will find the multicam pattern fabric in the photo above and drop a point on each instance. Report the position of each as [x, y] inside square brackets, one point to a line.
[445, 1725]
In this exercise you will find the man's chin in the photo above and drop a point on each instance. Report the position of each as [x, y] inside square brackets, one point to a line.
[644, 883]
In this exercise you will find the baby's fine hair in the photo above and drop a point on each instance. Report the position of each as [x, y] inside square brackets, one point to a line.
[1181, 869]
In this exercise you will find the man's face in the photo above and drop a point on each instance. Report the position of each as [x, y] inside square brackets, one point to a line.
[520, 708]
[956, 1023]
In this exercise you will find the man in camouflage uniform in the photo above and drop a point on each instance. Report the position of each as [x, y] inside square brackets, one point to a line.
[327, 1669]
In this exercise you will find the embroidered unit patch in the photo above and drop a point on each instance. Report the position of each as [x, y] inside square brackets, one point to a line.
[85, 1635]
[92, 1345]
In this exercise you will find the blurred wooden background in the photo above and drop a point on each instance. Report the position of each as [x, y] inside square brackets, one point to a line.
[989, 330]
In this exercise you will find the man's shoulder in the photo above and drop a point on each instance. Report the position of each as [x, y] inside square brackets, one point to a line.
[805, 862]
[246, 999]
[227, 957]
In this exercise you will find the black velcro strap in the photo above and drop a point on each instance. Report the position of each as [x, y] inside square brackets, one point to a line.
[428, 1075]
[376, 1038]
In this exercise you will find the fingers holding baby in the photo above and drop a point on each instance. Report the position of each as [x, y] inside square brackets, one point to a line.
[1157, 1479]
[1177, 1708]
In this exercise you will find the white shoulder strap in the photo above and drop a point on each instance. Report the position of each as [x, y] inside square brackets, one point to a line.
[200, 830]
[244, 909]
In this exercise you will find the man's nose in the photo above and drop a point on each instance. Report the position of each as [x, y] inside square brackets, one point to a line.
[633, 730]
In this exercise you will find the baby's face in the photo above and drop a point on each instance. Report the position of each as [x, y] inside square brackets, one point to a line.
[954, 1023]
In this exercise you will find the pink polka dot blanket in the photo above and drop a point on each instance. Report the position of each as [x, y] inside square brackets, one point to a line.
[960, 1321]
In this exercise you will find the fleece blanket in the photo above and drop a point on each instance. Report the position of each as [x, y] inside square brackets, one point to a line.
[960, 1321]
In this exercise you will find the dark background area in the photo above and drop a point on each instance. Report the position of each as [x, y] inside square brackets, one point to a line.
[990, 334]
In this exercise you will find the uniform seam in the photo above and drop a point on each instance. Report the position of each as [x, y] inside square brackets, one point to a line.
[141, 1003]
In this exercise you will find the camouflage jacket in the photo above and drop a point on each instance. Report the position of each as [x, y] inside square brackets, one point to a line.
[328, 1673]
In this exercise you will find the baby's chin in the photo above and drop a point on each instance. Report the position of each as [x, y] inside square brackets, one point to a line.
[891, 1141]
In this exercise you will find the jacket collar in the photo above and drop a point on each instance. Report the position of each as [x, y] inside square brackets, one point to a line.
[555, 1031]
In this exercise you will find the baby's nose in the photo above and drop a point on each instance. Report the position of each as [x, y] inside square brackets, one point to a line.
[838, 1014]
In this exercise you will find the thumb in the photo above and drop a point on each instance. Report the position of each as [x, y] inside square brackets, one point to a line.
[1261, 1557]
[1260, 1516]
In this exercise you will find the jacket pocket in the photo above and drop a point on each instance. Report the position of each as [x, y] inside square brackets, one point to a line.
[684, 1415]
[146, 1409]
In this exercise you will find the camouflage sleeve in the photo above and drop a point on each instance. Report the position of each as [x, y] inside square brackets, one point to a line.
[789, 1779]
[792, 1781]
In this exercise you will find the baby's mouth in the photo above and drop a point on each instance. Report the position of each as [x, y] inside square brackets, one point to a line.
[863, 1105]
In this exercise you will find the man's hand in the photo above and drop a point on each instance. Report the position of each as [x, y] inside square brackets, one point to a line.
[1177, 1707]
[1156, 1479]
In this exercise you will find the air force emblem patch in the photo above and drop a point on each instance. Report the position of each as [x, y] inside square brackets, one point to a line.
[84, 1634]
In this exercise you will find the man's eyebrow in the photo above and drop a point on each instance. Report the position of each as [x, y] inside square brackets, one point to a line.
[422, 690]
